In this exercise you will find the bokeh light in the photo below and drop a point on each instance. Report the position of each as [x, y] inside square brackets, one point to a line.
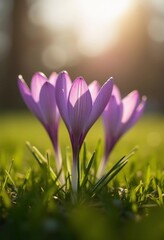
[95, 22]
[95, 39]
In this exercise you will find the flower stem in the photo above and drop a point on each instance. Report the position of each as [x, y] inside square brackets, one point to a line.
[101, 168]
[75, 170]
[108, 149]
[59, 163]
[54, 138]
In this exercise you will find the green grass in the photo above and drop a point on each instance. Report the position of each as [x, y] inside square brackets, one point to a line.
[33, 207]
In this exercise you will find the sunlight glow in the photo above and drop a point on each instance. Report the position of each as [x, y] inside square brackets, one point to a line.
[99, 23]
[158, 5]
[156, 29]
[156, 23]
[103, 11]
[94, 23]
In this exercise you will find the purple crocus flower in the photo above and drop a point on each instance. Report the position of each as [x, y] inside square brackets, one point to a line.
[41, 100]
[80, 106]
[118, 117]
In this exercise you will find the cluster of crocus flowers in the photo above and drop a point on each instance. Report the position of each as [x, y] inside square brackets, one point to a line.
[80, 105]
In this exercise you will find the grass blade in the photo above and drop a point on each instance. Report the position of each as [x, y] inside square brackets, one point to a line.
[87, 170]
[111, 173]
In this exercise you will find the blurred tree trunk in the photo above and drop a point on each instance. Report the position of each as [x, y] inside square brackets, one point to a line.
[14, 60]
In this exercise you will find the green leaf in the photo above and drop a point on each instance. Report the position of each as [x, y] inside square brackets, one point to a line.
[86, 174]
[103, 181]
[8, 176]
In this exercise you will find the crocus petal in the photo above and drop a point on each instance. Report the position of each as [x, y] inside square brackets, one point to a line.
[47, 104]
[116, 94]
[130, 103]
[79, 105]
[53, 78]
[37, 82]
[137, 114]
[63, 85]
[100, 102]
[94, 88]
[26, 95]
[112, 117]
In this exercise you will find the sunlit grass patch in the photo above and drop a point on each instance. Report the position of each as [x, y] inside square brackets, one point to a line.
[32, 204]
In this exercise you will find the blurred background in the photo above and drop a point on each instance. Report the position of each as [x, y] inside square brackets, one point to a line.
[92, 38]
